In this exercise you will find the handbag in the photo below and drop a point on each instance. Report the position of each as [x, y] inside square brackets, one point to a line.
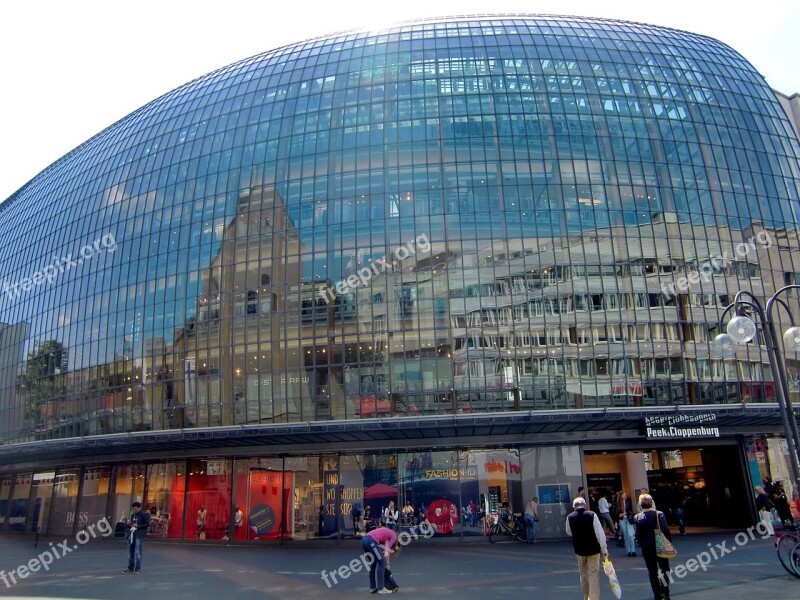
[664, 548]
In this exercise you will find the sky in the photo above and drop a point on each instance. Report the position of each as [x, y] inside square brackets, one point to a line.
[71, 68]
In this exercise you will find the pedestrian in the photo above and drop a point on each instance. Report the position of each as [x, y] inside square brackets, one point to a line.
[626, 522]
[381, 542]
[531, 518]
[355, 513]
[612, 506]
[408, 513]
[638, 507]
[588, 541]
[391, 516]
[764, 508]
[138, 523]
[781, 503]
[201, 523]
[680, 513]
[647, 522]
[361, 528]
[605, 512]
[321, 521]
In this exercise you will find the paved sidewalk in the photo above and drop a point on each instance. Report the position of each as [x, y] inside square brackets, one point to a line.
[437, 569]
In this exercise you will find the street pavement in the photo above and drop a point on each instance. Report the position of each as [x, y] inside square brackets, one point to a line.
[434, 569]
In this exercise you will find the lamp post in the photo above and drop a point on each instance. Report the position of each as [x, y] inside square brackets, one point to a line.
[741, 329]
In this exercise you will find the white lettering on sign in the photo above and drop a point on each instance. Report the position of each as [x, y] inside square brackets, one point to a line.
[290, 379]
[680, 419]
[682, 432]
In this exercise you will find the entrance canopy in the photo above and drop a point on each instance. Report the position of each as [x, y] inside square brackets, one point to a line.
[482, 430]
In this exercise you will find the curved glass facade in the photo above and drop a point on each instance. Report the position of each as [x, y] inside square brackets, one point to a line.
[445, 217]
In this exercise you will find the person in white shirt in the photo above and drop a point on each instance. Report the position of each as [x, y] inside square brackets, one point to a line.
[589, 542]
[390, 516]
[605, 515]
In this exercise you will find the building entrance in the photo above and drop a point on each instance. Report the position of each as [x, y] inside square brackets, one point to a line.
[705, 487]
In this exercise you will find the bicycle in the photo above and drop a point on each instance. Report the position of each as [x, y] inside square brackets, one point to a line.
[515, 528]
[788, 548]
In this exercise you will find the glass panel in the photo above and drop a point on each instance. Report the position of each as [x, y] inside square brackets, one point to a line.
[313, 513]
[164, 497]
[551, 475]
[42, 494]
[380, 482]
[442, 488]
[128, 488]
[350, 496]
[94, 495]
[19, 503]
[208, 499]
[259, 495]
[65, 498]
[5, 491]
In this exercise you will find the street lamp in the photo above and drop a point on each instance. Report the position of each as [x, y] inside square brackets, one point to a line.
[742, 329]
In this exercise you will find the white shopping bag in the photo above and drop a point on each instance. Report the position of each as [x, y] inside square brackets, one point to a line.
[608, 567]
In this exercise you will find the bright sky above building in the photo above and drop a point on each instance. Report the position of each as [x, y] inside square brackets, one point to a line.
[72, 68]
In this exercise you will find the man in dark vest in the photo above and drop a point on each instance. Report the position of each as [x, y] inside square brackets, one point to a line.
[589, 541]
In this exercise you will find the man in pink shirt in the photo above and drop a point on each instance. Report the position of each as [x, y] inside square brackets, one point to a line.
[380, 542]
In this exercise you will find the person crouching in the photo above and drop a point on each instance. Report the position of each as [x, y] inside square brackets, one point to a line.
[381, 542]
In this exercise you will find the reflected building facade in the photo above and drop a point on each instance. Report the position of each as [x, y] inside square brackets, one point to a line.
[410, 236]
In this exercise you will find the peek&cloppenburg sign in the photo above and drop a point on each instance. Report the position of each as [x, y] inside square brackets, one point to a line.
[681, 426]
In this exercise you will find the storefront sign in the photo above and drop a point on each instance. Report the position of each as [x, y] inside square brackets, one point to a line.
[493, 466]
[681, 426]
[452, 474]
[261, 519]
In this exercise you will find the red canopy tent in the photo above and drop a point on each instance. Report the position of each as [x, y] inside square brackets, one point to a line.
[380, 490]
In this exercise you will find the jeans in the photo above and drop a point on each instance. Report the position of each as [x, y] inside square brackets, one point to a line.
[628, 535]
[607, 521]
[377, 569]
[681, 522]
[135, 553]
[530, 528]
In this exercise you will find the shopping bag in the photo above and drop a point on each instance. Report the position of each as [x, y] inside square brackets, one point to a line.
[608, 567]
[664, 548]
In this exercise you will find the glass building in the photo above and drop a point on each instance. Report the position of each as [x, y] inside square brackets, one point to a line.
[463, 260]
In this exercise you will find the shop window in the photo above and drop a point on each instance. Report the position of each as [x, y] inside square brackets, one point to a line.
[208, 499]
[19, 503]
[65, 498]
[5, 492]
[164, 499]
[42, 493]
[94, 495]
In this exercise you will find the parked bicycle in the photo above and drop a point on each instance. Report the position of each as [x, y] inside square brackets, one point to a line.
[515, 527]
[788, 547]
